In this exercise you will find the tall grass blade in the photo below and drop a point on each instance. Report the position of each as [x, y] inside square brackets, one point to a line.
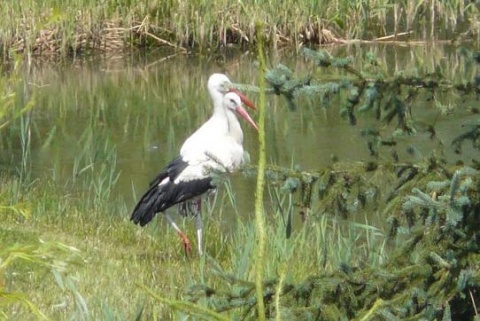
[259, 211]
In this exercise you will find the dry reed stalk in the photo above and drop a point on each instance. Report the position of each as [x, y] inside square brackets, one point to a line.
[112, 36]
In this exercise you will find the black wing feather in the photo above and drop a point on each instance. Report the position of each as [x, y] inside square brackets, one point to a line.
[173, 169]
[159, 198]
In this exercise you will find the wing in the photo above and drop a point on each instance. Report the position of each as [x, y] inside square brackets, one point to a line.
[178, 182]
[173, 169]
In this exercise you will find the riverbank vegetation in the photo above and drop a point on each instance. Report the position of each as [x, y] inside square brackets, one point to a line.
[69, 252]
[82, 26]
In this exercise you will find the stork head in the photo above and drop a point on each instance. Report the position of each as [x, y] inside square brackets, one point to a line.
[219, 85]
[233, 102]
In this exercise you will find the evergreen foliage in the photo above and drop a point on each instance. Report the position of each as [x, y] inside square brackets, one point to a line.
[373, 90]
[432, 268]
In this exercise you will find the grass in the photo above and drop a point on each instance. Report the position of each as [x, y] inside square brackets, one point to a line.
[259, 206]
[101, 280]
[56, 27]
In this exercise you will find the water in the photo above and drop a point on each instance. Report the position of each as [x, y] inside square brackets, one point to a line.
[129, 116]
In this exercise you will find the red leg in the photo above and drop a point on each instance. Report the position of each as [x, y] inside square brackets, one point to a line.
[186, 243]
[185, 240]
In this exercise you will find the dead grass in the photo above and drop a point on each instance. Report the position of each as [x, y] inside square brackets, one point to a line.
[83, 26]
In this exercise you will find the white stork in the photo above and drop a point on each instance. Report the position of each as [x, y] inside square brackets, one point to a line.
[216, 146]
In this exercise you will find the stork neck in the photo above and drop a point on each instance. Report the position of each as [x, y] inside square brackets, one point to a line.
[217, 103]
[234, 128]
[226, 118]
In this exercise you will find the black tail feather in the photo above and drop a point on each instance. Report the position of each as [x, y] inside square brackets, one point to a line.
[145, 210]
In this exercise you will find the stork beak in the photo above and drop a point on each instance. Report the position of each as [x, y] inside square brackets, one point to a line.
[244, 99]
[242, 112]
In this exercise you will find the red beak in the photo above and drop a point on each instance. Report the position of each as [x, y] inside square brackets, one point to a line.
[242, 112]
[244, 99]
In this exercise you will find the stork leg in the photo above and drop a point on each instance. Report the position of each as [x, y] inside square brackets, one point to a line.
[197, 210]
[186, 241]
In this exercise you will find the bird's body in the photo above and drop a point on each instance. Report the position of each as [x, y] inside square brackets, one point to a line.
[217, 146]
[218, 138]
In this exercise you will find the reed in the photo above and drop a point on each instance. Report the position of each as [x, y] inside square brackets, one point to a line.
[259, 207]
[55, 27]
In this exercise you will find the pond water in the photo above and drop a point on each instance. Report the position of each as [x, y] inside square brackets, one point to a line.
[129, 115]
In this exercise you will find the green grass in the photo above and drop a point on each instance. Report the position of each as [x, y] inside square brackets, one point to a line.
[102, 279]
[69, 28]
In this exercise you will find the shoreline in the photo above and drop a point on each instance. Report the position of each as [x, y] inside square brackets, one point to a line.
[195, 26]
